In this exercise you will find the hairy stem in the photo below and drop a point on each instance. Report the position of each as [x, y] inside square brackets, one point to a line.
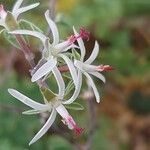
[29, 57]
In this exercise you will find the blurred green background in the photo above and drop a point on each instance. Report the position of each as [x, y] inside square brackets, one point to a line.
[122, 28]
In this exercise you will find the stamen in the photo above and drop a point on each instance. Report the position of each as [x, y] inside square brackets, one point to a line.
[72, 39]
[104, 68]
[83, 34]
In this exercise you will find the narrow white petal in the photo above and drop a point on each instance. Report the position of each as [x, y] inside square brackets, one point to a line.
[24, 9]
[71, 68]
[70, 47]
[2, 22]
[53, 28]
[39, 35]
[61, 46]
[60, 82]
[81, 45]
[94, 53]
[77, 90]
[45, 128]
[44, 69]
[98, 75]
[64, 46]
[17, 5]
[62, 111]
[85, 67]
[26, 100]
[93, 86]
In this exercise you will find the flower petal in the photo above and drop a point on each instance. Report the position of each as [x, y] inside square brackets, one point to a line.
[94, 53]
[60, 82]
[61, 46]
[17, 5]
[81, 44]
[19, 11]
[26, 100]
[93, 86]
[45, 128]
[98, 75]
[2, 22]
[39, 35]
[69, 47]
[85, 67]
[62, 111]
[77, 90]
[44, 69]
[53, 28]
[64, 46]
[71, 68]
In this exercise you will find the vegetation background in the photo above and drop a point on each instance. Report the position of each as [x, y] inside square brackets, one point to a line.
[122, 27]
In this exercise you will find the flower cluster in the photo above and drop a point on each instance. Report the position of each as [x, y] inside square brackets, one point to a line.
[56, 53]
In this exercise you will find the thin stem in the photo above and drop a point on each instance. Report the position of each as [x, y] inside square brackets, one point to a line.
[29, 57]
[26, 50]
[91, 118]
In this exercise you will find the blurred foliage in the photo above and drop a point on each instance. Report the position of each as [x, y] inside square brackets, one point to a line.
[122, 29]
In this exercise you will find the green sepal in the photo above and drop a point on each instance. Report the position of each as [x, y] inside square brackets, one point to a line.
[69, 87]
[67, 76]
[75, 106]
[47, 94]
[31, 112]
[11, 22]
[1, 31]
[75, 54]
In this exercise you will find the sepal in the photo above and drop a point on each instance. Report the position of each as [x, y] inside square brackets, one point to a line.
[47, 94]
[11, 22]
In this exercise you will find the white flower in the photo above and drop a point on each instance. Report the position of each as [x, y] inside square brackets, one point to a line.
[54, 106]
[87, 69]
[52, 51]
[16, 11]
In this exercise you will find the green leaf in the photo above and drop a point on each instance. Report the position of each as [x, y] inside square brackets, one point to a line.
[66, 76]
[1, 31]
[75, 106]
[31, 112]
[29, 25]
[75, 54]
[69, 87]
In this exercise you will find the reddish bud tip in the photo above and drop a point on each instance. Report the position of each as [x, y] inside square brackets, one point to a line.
[109, 68]
[78, 131]
[105, 68]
